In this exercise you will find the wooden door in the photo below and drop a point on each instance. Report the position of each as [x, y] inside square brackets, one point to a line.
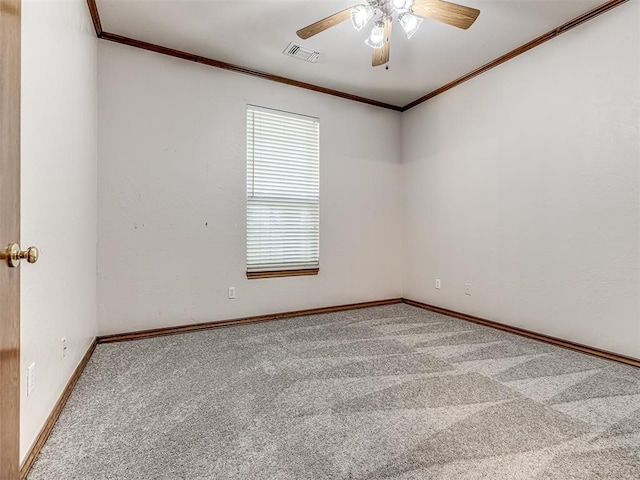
[10, 13]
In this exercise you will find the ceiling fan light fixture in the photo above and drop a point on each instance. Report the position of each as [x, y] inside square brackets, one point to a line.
[408, 13]
[402, 5]
[360, 16]
[376, 38]
[409, 23]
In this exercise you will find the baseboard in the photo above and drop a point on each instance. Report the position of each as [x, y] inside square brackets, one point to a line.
[528, 333]
[57, 409]
[55, 413]
[158, 332]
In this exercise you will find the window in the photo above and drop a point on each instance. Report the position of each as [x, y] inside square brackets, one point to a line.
[283, 188]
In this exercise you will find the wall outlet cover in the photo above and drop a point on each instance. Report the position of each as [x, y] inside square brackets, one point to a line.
[31, 378]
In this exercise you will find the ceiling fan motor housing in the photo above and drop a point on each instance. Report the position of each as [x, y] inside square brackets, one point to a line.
[409, 14]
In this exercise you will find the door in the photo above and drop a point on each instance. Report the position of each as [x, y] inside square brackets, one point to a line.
[9, 232]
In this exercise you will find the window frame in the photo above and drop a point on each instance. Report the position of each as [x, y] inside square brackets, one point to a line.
[280, 269]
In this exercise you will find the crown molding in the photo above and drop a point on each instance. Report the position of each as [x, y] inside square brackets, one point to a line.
[571, 24]
[591, 14]
[112, 37]
[95, 17]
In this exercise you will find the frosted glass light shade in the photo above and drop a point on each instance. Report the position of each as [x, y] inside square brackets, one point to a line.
[360, 15]
[376, 39]
[402, 5]
[409, 23]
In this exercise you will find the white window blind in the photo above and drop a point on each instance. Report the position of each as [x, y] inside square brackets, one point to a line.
[282, 190]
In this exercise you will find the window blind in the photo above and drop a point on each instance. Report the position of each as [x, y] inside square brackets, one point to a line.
[282, 190]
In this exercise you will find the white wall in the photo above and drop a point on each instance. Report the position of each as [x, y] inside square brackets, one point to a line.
[59, 191]
[172, 159]
[525, 181]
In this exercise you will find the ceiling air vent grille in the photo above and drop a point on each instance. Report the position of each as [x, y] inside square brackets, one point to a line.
[303, 53]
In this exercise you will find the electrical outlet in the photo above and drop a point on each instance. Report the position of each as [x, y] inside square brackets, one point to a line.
[438, 284]
[232, 292]
[467, 289]
[63, 348]
[31, 378]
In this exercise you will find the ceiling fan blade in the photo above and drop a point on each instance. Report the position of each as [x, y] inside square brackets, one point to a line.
[445, 12]
[381, 55]
[322, 25]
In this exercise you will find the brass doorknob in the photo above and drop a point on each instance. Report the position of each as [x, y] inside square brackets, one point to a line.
[13, 255]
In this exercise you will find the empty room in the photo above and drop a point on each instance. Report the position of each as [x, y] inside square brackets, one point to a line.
[319, 239]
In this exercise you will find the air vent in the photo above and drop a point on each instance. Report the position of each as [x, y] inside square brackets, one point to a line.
[303, 53]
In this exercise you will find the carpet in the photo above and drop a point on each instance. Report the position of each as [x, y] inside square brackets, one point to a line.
[391, 392]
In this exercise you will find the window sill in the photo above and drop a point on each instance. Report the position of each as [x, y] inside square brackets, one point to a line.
[283, 273]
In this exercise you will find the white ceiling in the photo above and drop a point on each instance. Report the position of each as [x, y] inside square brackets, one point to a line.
[253, 34]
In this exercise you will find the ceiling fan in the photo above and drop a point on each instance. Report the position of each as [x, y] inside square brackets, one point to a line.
[409, 14]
